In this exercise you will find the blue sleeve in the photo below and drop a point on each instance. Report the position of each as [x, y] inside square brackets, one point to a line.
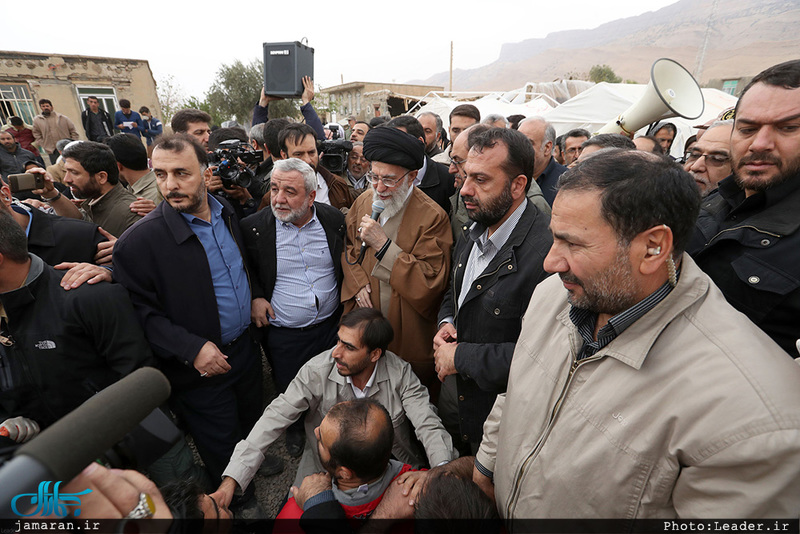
[117, 118]
[312, 119]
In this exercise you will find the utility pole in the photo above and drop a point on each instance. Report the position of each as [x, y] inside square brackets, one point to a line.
[451, 66]
[698, 70]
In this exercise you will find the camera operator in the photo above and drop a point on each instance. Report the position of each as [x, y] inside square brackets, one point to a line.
[299, 141]
[57, 348]
[234, 178]
[334, 150]
[264, 137]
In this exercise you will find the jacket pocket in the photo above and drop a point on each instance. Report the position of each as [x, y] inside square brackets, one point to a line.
[763, 286]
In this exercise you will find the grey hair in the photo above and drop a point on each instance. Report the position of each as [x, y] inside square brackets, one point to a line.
[259, 133]
[549, 129]
[494, 117]
[294, 164]
[728, 122]
[439, 123]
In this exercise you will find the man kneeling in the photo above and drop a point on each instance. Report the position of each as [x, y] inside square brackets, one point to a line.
[358, 366]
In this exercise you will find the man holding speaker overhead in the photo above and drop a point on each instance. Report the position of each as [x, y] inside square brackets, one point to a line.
[747, 237]
[398, 259]
[57, 348]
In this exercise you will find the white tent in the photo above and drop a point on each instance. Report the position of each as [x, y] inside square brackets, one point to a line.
[487, 105]
[595, 107]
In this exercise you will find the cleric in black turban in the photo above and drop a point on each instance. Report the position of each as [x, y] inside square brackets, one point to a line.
[395, 147]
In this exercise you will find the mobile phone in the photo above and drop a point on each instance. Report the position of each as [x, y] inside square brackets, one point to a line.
[25, 182]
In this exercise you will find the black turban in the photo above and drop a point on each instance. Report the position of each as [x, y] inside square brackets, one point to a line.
[395, 147]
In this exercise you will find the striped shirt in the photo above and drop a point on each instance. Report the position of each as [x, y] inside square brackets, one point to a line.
[586, 320]
[305, 288]
[486, 248]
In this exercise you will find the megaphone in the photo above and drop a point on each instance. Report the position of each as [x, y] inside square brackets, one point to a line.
[672, 92]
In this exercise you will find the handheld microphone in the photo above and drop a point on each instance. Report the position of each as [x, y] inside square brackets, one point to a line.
[377, 208]
[64, 449]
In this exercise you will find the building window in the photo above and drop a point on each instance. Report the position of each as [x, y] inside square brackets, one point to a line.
[106, 95]
[15, 100]
[729, 86]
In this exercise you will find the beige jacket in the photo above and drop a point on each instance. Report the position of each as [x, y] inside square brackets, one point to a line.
[317, 387]
[691, 412]
[47, 131]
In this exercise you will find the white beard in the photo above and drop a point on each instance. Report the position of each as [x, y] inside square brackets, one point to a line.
[395, 203]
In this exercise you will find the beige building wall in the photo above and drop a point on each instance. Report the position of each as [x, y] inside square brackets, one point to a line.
[68, 80]
[369, 99]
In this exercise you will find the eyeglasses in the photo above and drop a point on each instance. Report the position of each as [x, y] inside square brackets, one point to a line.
[458, 164]
[388, 182]
[355, 157]
[713, 160]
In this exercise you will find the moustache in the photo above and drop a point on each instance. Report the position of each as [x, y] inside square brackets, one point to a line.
[470, 199]
[176, 195]
[764, 157]
[570, 279]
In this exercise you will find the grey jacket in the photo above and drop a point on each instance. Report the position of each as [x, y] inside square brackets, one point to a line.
[690, 412]
[317, 387]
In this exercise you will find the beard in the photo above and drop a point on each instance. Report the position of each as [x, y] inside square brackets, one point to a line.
[761, 181]
[492, 210]
[91, 190]
[394, 204]
[195, 200]
[46, 113]
[610, 291]
[292, 216]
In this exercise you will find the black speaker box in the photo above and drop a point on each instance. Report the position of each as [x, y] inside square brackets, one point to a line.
[285, 64]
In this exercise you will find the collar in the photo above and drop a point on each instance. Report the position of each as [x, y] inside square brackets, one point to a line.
[108, 194]
[366, 493]
[479, 233]
[23, 209]
[370, 382]
[421, 173]
[774, 210]
[585, 321]
[214, 207]
[178, 226]
[632, 346]
[289, 225]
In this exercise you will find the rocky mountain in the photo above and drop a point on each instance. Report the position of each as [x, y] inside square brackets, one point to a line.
[740, 37]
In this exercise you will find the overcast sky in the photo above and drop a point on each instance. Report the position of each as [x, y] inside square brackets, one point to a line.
[354, 40]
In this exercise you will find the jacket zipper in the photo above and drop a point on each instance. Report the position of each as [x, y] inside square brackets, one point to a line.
[556, 409]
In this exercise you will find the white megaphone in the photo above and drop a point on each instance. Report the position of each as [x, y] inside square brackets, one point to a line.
[672, 92]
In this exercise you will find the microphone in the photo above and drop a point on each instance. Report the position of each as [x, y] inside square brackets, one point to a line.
[64, 449]
[377, 208]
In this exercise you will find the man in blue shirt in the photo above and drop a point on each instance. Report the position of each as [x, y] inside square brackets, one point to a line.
[295, 248]
[128, 121]
[187, 277]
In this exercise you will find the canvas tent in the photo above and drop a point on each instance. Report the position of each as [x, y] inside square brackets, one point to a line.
[602, 103]
[487, 105]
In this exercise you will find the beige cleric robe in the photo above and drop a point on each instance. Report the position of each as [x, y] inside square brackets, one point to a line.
[416, 266]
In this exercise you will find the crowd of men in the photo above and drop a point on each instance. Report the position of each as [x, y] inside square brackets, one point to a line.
[426, 362]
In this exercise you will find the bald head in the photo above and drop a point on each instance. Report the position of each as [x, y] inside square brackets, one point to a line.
[542, 136]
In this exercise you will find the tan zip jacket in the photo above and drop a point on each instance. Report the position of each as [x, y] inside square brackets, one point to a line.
[691, 412]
